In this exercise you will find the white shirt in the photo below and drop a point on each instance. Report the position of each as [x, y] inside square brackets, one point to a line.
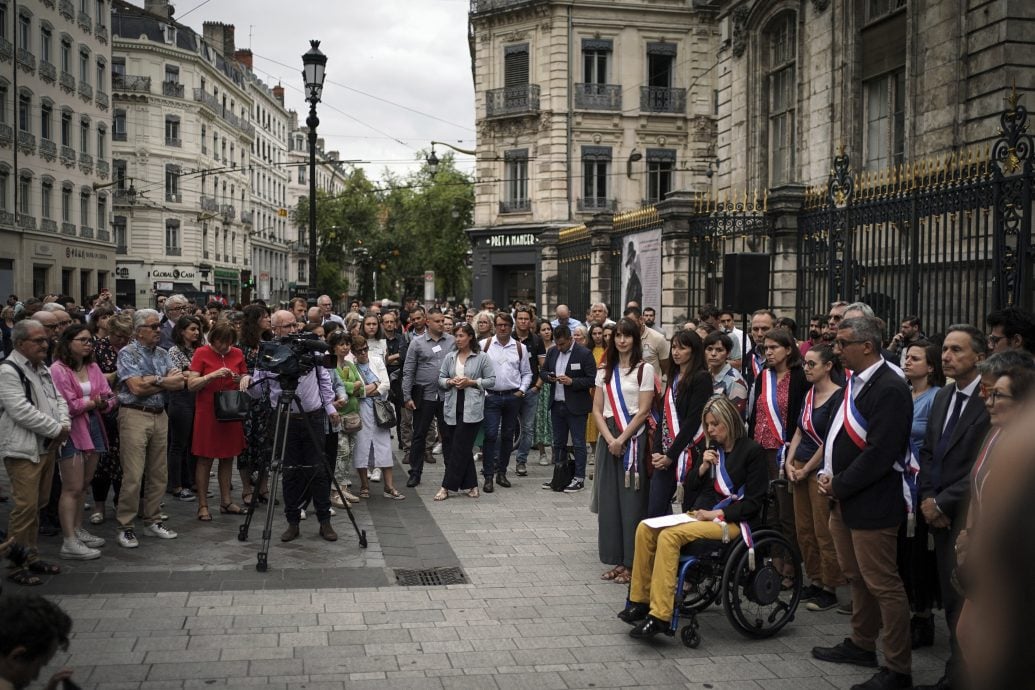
[862, 377]
[559, 369]
[630, 389]
[513, 371]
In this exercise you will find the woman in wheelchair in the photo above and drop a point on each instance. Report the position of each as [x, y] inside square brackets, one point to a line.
[732, 479]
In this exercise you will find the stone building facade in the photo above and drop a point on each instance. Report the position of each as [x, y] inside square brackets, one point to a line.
[55, 148]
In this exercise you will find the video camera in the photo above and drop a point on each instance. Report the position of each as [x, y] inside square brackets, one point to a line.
[292, 356]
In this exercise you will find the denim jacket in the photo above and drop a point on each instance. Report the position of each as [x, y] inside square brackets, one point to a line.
[480, 369]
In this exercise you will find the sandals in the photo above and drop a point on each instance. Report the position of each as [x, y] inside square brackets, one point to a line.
[43, 568]
[612, 573]
[23, 577]
[96, 518]
[441, 495]
[203, 514]
[232, 509]
[623, 578]
[473, 493]
[364, 492]
[393, 494]
[246, 499]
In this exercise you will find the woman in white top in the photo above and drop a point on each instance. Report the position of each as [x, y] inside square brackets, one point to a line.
[373, 444]
[375, 336]
[621, 407]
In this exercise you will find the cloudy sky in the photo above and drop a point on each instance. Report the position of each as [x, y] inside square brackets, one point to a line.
[398, 71]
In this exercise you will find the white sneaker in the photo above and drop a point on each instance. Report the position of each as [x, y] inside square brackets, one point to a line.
[333, 512]
[90, 540]
[127, 538]
[302, 514]
[77, 550]
[161, 531]
[375, 474]
[437, 450]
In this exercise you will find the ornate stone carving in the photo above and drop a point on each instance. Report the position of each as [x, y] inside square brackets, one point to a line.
[739, 20]
[820, 5]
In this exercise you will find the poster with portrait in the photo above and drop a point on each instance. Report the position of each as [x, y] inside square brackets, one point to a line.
[641, 269]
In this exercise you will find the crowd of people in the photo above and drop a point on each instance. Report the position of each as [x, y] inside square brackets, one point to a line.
[885, 444]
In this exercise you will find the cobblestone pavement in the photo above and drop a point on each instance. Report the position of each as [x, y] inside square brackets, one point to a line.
[533, 613]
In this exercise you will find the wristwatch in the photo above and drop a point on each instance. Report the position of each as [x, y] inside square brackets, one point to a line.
[158, 380]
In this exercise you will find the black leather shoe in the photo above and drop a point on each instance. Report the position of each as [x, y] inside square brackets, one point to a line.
[649, 627]
[846, 653]
[412, 481]
[502, 480]
[487, 487]
[921, 631]
[290, 533]
[886, 679]
[633, 613]
[942, 684]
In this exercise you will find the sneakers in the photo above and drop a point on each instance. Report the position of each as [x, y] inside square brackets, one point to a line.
[302, 515]
[76, 550]
[845, 609]
[437, 450]
[546, 486]
[522, 470]
[375, 474]
[575, 486]
[847, 652]
[127, 538]
[94, 542]
[185, 495]
[159, 530]
[824, 601]
[543, 459]
[809, 593]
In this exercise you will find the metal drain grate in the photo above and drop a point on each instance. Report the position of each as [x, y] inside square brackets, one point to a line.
[430, 577]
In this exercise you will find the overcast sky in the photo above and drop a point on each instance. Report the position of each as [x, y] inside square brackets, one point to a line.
[412, 53]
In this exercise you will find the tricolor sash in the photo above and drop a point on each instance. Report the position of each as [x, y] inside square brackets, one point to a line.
[757, 362]
[767, 396]
[724, 487]
[622, 417]
[805, 421]
[673, 427]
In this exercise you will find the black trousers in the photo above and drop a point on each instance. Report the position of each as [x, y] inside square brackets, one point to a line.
[306, 476]
[428, 412]
[945, 553]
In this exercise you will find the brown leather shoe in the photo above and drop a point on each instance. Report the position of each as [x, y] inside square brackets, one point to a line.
[327, 532]
[290, 533]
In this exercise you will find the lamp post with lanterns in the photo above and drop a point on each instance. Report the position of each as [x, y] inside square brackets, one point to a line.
[314, 62]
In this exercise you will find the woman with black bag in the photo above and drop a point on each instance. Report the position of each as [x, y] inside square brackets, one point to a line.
[373, 442]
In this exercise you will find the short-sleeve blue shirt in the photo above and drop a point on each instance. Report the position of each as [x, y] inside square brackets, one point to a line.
[137, 360]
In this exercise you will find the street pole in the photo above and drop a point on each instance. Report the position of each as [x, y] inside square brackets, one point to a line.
[312, 122]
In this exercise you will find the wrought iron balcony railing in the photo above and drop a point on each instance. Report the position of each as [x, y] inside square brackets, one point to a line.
[84, 21]
[68, 156]
[174, 197]
[6, 134]
[121, 249]
[101, 32]
[209, 204]
[86, 231]
[68, 229]
[102, 100]
[662, 99]
[208, 100]
[49, 225]
[26, 142]
[103, 167]
[26, 222]
[26, 59]
[173, 141]
[172, 88]
[134, 83]
[487, 6]
[67, 9]
[598, 96]
[103, 235]
[172, 251]
[116, 135]
[6, 218]
[67, 81]
[85, 162]
[85, 91]
[512, 100]
[48, 149]
[597, 204]
[516, 206]
[6, 49]
[48, 72]
[247, 216]
[228, 212]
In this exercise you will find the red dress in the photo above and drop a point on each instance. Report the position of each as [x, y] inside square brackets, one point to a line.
[212, 438]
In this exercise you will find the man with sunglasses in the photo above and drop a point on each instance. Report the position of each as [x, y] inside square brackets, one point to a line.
[175, 307]
[503, 400]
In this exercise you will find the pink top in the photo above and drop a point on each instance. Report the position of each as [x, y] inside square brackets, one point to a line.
[70, 388]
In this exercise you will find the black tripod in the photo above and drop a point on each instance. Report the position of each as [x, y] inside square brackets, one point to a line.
[273, 468]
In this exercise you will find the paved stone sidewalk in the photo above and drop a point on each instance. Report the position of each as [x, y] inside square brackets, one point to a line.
[534, 615]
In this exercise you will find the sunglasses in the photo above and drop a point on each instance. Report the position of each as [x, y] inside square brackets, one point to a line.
[152, 326]
[360, 350]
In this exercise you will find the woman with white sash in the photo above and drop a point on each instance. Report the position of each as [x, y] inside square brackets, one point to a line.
[621, 406]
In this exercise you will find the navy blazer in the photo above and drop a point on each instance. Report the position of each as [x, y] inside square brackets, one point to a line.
[865, 481]
[582, 369]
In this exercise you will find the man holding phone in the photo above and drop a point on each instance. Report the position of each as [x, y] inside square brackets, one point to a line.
[572, 370]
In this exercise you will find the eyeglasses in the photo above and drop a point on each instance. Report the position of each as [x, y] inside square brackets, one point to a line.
[996, 396]
[993, 340]
[64, 323]
[84, 340]
[51, 327]
[810, 364]
[361, 350]
[38, 341]
[503, 325]
[152, 326]
[845, 343]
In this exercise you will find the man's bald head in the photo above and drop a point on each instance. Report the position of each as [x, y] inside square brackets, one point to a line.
[282, 318]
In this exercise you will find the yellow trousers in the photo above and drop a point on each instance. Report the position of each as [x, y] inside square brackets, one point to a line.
[656, 561]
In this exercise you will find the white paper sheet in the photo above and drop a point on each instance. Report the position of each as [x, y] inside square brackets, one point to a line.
[668, 520]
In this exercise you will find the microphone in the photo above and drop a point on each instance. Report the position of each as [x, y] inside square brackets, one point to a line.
[713, 445]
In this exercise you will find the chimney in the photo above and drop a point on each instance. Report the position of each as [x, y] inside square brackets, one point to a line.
[244, 56]
[333, 155]
[220, 36]
[278, 93]
[159, 7]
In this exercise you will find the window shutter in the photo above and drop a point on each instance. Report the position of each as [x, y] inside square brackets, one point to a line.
[515, 65]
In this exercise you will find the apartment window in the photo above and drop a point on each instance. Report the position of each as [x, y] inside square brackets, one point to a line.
[118, 167]
[66, 203]
[882, 94]
[84, 65]
[46, 120]
[661, 165]
[101, 69]
[301, 270]
[66, 128]
[172, 74]
[596, 165]
[102, 148]
[515, 180]
[84, 135]
[118, 229]
[46, 198]
[118, 67]
[118, 126]
[596, 53]
[3, 19]
[661, 58]
[5, 182]
[84, 7]
[301, 174]
[66, 55]
[875, 9]
[100, 13]
[84, 209]
[172, 236]
[25, 111]
[884, 101]
[204, 144]
[102, 212]
[25, 193]
[172, 182]
[780, 40]
[46, 43]
[515, 65]
[25, 32]
[3, 102]
[172, 130]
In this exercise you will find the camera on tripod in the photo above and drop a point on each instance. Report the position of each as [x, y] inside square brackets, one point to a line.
[293, 356]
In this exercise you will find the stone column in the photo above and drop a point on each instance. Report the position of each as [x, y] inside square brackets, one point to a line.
[785, 204]
[549, 277]
[600, 229]
[675, 212]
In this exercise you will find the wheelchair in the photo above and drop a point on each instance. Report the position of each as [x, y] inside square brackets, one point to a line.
[756, 596]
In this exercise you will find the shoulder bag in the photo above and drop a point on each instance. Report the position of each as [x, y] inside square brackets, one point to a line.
[384, 413]
[232, 406]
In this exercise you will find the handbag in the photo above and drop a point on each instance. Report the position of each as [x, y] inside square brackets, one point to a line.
[563, 470]
[232, 406]
[384, 414]
[351, 422]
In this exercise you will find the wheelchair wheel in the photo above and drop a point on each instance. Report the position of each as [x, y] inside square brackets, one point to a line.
[690, 635]
[761, 601]
[701, 588]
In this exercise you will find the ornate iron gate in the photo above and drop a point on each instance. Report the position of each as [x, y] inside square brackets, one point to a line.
[573, 266]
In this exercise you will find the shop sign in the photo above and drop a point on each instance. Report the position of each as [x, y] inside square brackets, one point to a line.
[186, 273]
[164, 286]
[41, 249]
[77, 253]
[208, 287]
[509, 240]
[227, 275]
[122, 271]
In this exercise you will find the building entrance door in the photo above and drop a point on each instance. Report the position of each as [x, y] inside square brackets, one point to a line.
[515, 283]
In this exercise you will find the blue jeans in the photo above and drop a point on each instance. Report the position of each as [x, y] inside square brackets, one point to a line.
[564, 422]
[527, 417]
[501, 418]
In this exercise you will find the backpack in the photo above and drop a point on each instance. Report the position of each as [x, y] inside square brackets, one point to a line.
[25, 381]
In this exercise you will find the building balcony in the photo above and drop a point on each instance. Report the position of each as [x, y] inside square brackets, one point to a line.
[298, 247]
[6, 134]
[68, 229]
[86, 163]
[48, 72]
[101, 32]
[491, 6]
[512, 100]
[247, 216]
[67, 81]
[49, 225]
[26, 60]
[48, 149]
[86, 232]
[67, 9]
[596, 204]
[26, 222]
[85, 91]
[174, 197]
[121, 249]
[516, 206]
[102, 99]
[6, 219]
[131, 83]
[6, 49]
[122, 197]
[173, 141]
[172, 88]
[118, 136]
[172, 251]
[662, 99]
[103, 235]
[208, 100]
[68, 156]
[27, 142]
[209, 204]
[598, 96]
[84, 22]
[228, 212]
[103, 167]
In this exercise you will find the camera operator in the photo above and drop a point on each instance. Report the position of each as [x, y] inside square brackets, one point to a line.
[32, 630]
[306, 475]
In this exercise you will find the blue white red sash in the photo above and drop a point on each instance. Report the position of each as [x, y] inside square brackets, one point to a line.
[767, 395]
[622, 417]
[757, 362]
[805, 421]
[724, 487]
[672, 423]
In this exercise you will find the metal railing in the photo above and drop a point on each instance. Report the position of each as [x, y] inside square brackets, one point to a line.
[102, 99]
[49, 225]
[208, 100]
[172, 88]
[27, 142]
[121, 249]
[48, 72]
[48, 149]
[104, 235]
[6, 49]
[68, 228]
[173, 141]
[85, 90]
[512, 100]
[84, 22]
[209, 204]
[598, 96]
[103, 167]
[247, 216]
[6, 218]
[6, 134]
[662, 99]
[596, 204]
[26, 59]
[174, 197]
[67, 9]
[68, 156]
[26, 222]
[172, 251]
[101, 32]
[131, 82]
[67, 81]
[86, 231]
[85, 162]
[486, 6]
[516, 206]
[228, 211]
[117, 135]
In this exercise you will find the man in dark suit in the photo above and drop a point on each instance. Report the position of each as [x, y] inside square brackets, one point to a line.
[572, 371]
[865, 443]
[955, 428]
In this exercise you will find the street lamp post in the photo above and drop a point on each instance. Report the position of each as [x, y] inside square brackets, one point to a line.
[433, 159]
[314, 62]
